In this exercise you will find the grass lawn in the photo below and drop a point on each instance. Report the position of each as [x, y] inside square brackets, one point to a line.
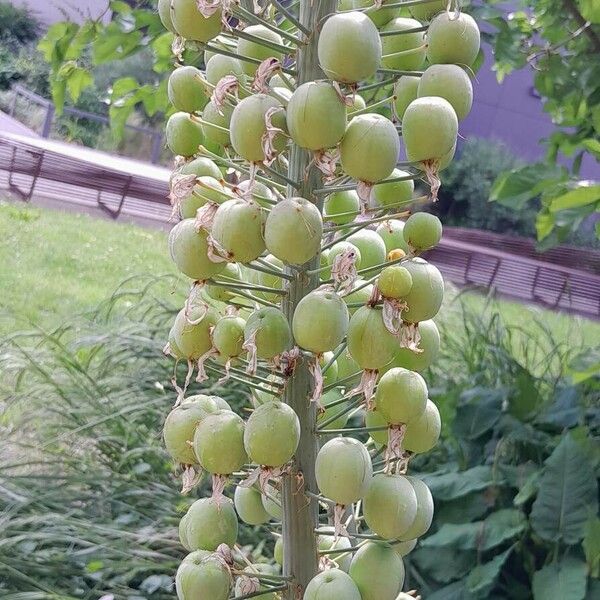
[57, 264]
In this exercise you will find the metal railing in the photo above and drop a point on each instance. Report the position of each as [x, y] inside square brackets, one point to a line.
[50, 115]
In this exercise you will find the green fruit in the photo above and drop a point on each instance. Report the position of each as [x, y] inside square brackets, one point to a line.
[272, 434]
[231, 271]
[394, 282]
[214, 122]
[424, 515]
[189, 250]
[193, 338]
[425, 297]
[379, 16]
[405, 51]
[316, 116]
[358, 103]
[201, 167]
[429, 129]
[202, 576]
[422, 231]
[219, 66]
[238, 228]
[210, 523]
[429, 344]
[453, 39]
[272, 502]
[336, 206]
[247, 126]
[391, 232]
[401, 396]
[404, 548]
[183, 533]
[181, 423]
[390, 506]
[164, 13]
[360, 295]
[278, 551]
[422, 434]
[260, 193]
[269, 280]
[373, 418]
[184, 134]
[293, 230]
[191, 25]
[320, 321]
[228, 336]
[249, 506]
[450, 82]
[340, 247]
[427, 9]
[348, 368]
[219, 443]
[273, 334]
[349, 47]
[378, 571]
[332, 584]
[371, 246]
[329, 397]
[186, 89]
[252, 49]
[343, 470]
[370, 148]
[405, 91]
[328, 542]
[395, 192]
[330, 376]
[371, 345]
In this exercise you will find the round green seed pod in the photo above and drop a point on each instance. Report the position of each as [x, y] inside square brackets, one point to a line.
[273, 334]
[181, 423]
[228, 336]
[390, 506]
[404, 548]
[219, 443]
[371, 246]
[405, 91]
[191, 25]
[231, 271]
[422, 231]
[252, 49]
[425, 297]
[429, 129]
[429, 346]
[450, 82]
[378, 571]
[348, 369]
[369, 149]
[343, 470]
[164, 13]
[316, 116]
[391, 232]
[182, 530]
[425, 11]
[406, 51]
[341, 207]
[320, 321]
[370, 344]
[401, 396]
[332, 584]
[342, 246]
[247, 126]
[394, 282]
[330, 376]
[202, 576]
[219, 66]
[453, 39]
[278, 551]
[188, 248]
[358, 103]
[349, 47]
[201, 167]
[423, 433]
[192, 333]
[214, 121]
[272, 434]
[184, 134]
[424, 516]
[395, 193]
[249, 506]
[210, 523]
[373, 418]
[325, 543]
[272, 502]
[359, 295]
[328, 398]
[238, 227]
[293, 230]
[186, 89]
[269, 280]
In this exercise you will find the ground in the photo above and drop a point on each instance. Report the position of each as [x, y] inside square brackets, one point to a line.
[57, 264]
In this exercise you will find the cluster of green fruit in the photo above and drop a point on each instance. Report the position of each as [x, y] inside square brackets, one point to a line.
[251, 236]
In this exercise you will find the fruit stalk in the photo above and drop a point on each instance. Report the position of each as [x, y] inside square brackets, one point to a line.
[300, 512]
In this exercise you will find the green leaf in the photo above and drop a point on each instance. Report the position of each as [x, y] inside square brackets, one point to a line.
[483, 577]
[58, 87]
[77, 81]
[581, 196]
[592, 145]
[565, 580]
[443, 564]
[567, 494]
[115, 44]
[467, 508]
[585, 365]
[454, 591]
[500, 526]
[479, 415]
[119, 6]
[448, 486]
[591, 546]
[564, 411]
[590, 10]
[528, 490]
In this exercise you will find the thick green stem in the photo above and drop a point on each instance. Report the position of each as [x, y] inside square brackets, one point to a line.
[300, 511]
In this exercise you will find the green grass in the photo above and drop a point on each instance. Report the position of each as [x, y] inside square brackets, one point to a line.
[57, 264]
